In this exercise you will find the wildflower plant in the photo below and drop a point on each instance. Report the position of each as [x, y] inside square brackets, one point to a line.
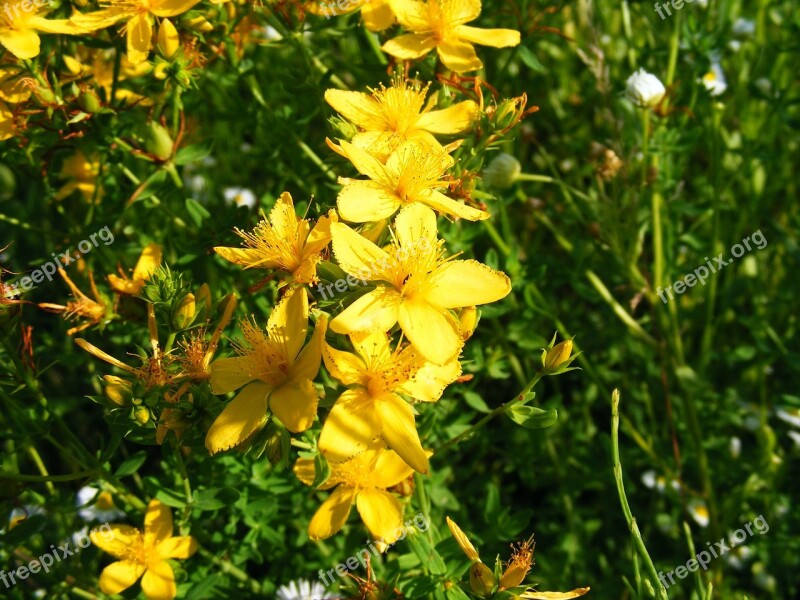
[341, 238]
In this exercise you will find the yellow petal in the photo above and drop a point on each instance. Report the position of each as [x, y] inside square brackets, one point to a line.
[389, 470]
[307, 364]
[177, 547]
[346, 367]
[100, 19]
[409, 46]
[284, 218]
[118, 541]
[497, 38]
[158, 582]
[350, 427]
[357, 255]
[247, 257]
[364, 201]
[64, 26]
[448, 206]
[139, 34]
[381, 144]
[288, 323]
[228, 374]
[576, 593]
[239, 419]
[459, 55]
[451, 120]
[157, 523]
[381, 513]
[22, 44]
[411, 14]
[119, 576]
[359, 108]
[168, 38]
[331, 516]
[466, 283]
[377, 15]
[148, 262]
[295, 404]
[400, 431]
[428, 383]
[125, 286]
[376, 310]
[172, 8]
[462, 540]
[320, 236]
[414, 223]
[365, 163]
[431, 333]
[372, 346]
[462, 11]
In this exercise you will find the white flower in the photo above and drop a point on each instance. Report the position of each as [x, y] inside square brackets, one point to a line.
[702, 3]
[240, 197]
[744, 27]
[102, 508]
[735, 447]
[645, 89]
[302, 590]
[699, 512]
[714, 80]
[791, 416]
[502, 171]
[738, 556]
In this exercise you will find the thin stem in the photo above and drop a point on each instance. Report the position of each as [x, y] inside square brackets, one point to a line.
[231, 569]
[626, 509]
[496, 237]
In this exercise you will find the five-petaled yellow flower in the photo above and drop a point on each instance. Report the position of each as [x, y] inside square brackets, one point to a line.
[411, 175]
[149, 261]
[138, 16]
[275, 373]
[363, 480]
[372, 406]
[417, 287]
[19, 28]
[143, 554]
[284, 242]
[440, 24]
[389, 116]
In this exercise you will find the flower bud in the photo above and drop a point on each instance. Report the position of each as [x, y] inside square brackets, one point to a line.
[141, 414]
[89, 101]
[198, 23]
[481, 579]
[168, 40]
[118, 390]
[158, 141]
[468, 318]
[645, 89]
[183, 312]
[509, 112]
[502, 171]
[558, 355]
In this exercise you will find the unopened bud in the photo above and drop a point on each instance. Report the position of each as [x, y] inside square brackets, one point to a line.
[558, 355]
[158, 141]
[502, 171]
[141, 415]
[89, 101]
[481, 579]
[168, 40]
[468, 317]
[198, 23]
[183, 313]
[118, 390]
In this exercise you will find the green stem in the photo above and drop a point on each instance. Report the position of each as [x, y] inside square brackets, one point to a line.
[48, 478]
[626, 509]
[230, 569]
[497, 411]
[496, 237]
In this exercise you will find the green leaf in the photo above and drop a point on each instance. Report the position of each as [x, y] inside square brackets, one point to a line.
[196, 211]
[475, 401]
[322, 471]
[193, 153]
[131, 464]
[531, 417]
[530, 60]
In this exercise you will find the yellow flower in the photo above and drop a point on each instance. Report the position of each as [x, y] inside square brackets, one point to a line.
[143, 555]
[82, 173]
[417, 287]
[275, 373]
[440, 24]
[482, 579]
[97, 66]
[149, 260]
[139, 16]
[363, 480]
[376, 14]
[410, 176]
[389, 116]
[373, 406]
[19, 27]
[284, 242]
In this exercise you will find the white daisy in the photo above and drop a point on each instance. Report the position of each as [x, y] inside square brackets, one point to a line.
[644, 89]
[240, 197]
[96, 505]
[303, 590]
[715, 81]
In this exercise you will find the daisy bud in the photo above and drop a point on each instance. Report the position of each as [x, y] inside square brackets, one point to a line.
[502, 171]
[184, 312]
[481, 579]
[645, 89]
[168, 41]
